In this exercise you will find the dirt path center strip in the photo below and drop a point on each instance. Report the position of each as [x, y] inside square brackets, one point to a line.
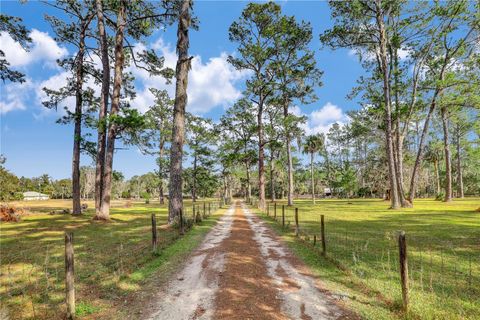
[243, 271]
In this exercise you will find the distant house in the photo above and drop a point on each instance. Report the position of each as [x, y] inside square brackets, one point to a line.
[327, 192]
[32, 195]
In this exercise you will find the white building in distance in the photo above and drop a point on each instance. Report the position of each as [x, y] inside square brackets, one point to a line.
[33, 195]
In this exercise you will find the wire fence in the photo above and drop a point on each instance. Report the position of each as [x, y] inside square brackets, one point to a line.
[107, 260]
[443, 274]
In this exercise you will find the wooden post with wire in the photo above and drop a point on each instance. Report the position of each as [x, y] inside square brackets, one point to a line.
[154, 233]
[402, 249]
[322, 230]
[297, 227]
[283, 215]
[69, 276]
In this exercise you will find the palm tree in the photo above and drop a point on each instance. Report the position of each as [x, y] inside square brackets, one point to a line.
[312, 145]
[432, 154]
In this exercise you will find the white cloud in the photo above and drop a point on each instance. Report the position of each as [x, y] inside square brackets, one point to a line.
[296, 111]
[43, 48]
[364, 54]
[166, 51]
[210, 84]
[15, 96]
[370, 55]
[329, 113]
[403, 53]
[55, 82]
[21, 96]
[321, 120]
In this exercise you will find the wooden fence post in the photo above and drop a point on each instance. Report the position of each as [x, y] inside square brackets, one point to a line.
[297, 227]
[275, 211]
[314, 240]
[283, 215]
[209, 208]
[322, 229]
[199, 215]
[204, 210]
[194, 214]
[402, 246]
[182, 231]
[154, 233]
[69, 276]
[268, 209]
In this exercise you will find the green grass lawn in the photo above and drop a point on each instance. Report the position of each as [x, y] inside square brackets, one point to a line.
[362, 254]
[113, 260]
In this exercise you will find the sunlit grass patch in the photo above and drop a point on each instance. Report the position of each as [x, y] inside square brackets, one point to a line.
[112, 259]
[361, 237]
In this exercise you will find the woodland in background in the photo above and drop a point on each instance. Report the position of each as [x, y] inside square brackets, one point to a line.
[416, 131]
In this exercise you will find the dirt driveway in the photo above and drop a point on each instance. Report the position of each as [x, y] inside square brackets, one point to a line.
[243, 271]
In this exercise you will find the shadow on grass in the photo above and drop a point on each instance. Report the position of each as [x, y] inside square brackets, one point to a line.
[111, 259]
[443, 246]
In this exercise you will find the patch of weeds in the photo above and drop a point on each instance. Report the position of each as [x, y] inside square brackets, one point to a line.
[83, 308]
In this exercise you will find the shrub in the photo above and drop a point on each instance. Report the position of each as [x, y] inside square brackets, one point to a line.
[146, 196]
[440, 196]
[9, 213]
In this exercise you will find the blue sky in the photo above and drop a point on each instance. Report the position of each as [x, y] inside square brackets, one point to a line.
[34, 144]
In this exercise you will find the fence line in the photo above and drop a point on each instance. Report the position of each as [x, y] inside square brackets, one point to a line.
[431, 267]
[40, 278]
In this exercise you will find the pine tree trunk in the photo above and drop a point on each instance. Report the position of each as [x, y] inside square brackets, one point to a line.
[77, 135]
[160, 172]
[448, 162]
[249, 185]
[230, 191]
[194, 179]
[175, 192]
[459, 167]
[115, 108]
[225, 187]
[289, 159]
[272, 179]
[395, 204]
[312, 175]
[419, 158]
[101, 139]
[327, 164]
[399, 170]
[399, 138]
[261, 157]
[437, 176]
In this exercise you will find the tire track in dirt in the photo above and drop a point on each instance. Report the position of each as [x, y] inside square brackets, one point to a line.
[298, 289]
[190, 295]
[243, 271]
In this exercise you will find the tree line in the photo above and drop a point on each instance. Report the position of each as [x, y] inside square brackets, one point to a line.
[418, 102]
[143, 187]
